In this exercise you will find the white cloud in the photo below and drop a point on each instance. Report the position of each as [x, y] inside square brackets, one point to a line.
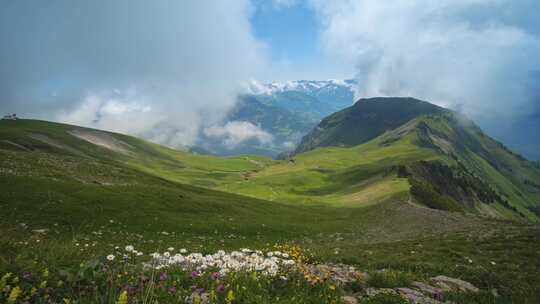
[467, 54]
[159, 69]
[236, 132]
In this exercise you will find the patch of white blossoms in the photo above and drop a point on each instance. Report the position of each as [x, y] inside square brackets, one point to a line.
[246, 260]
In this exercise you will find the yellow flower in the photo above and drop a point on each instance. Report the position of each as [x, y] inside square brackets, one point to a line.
[123, 298]
[14, 294]
[332, 287]
[230, 297]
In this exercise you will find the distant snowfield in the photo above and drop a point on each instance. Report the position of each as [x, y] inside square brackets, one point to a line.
[305, 86]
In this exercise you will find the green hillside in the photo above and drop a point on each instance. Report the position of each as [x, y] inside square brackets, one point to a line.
[70, 194]
[365, 120]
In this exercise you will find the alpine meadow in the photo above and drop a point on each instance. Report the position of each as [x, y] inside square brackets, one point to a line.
[167, 152]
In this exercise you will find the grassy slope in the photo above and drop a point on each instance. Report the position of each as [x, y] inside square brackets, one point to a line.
[365, 120]
[133, 198]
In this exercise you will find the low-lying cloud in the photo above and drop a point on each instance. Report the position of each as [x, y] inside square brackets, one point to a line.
[473, 55]
[159, 69]
[236, 132]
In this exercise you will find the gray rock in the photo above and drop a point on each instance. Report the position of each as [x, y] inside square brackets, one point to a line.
[432, 291]
[349, 300]
[455, 284]
[415, 296]
[371, 292]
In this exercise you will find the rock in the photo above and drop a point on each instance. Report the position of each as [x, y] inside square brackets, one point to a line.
[371, 292]
[349, 300]
[415, 296]
[42, 231]
[457, 284]
[434, 292]
[338, 273]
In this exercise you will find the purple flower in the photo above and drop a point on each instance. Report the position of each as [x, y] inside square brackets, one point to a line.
[216, 275]
[220, 288]
[163, 277]
[172, 290]
[194, 274]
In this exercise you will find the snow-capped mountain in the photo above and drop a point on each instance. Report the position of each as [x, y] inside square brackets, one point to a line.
[304, 86]
[284, 110]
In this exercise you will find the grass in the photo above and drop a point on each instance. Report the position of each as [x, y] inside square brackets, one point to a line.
[90, 199]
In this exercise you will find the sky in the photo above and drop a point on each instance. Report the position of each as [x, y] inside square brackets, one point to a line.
[168, 70]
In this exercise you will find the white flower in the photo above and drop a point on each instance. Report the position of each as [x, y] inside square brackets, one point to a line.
[170, 249]
[166, 254]
[493, 263]
[139, 253]
[129, 248]
[183, 250]
[110, 257]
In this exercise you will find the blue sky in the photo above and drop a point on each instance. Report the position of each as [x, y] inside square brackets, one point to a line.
[291, 30]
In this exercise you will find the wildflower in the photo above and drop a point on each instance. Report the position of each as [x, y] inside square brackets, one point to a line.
[230, 297]
[163, 277]
[123, 298]
[493, 263]
[110, 257]
[194, 274]
[129, 248]
[170, 249]
[332, 287]
[183, 250]
[14, 294]
[139, 253]
[216, 275]
[220, 288]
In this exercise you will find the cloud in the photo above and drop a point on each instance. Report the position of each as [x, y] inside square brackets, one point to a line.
[472, 55]
[162, 69]
[236, 132]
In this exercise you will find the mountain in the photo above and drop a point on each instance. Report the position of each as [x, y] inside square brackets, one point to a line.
[462, 168]
[285, 111]
[365, 120]
[285, 127]
[317, 98]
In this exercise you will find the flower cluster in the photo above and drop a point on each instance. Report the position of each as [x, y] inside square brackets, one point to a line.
[246, 260]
